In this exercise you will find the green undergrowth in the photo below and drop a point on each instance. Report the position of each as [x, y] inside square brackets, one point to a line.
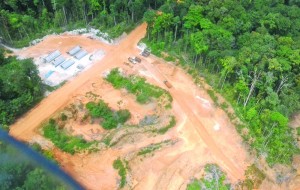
[64, 141]
[111, 119]
[137, 86]
[121, 166]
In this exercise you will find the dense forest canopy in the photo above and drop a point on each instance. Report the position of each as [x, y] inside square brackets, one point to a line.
[22, 21]
[249, 50]
[20, 87]
[19, 172]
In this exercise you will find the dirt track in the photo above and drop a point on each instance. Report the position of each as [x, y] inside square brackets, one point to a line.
[170, 168]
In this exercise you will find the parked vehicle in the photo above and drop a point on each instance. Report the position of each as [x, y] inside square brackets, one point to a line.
[131, 60]
[137, 59]
[145, 53]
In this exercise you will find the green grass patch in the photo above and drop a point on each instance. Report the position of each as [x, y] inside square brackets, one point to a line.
[122, 171]
[111, 119]
[65, 142]
[137, 86]
[298, 130]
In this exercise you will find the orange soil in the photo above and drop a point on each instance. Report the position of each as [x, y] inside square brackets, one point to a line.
[199, 141]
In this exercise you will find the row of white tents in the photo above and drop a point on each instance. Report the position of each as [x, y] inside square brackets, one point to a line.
[77, 52]
[57, 59]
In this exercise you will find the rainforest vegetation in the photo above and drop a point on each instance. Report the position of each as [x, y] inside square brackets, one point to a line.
[20, 87]
[18, 172]
[111, 119]
[248, 50]
[23, 21]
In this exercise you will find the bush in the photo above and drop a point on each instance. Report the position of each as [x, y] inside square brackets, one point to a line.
[118, 165]
[70, 144]
[123, 116]
[110, 118]
[63, 117]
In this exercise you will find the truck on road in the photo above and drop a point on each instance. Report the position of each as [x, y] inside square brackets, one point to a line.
[134, 60]
[131, 60]
[168, 84]
[137, 59]
[145, 53]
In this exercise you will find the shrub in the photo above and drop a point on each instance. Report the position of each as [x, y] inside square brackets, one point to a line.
[63, 141]
[63, 117]
[118, 165]
[123, 116]
[110, 118]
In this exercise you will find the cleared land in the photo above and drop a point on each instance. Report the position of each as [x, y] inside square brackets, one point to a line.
[203, 133]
